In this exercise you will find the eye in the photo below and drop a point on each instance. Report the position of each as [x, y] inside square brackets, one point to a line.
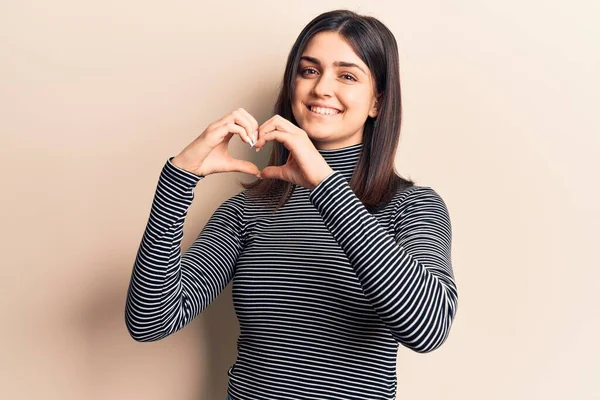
[303, 72]
[306, 69]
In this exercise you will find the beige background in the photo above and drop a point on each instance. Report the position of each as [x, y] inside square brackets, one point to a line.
[498, 117]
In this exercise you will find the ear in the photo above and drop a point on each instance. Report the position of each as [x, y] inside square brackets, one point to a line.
[375, 109]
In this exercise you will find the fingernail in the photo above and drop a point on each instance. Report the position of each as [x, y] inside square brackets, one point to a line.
[257, 149]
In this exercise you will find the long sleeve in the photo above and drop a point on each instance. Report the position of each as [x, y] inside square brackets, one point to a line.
[167, 290]
[407, 277]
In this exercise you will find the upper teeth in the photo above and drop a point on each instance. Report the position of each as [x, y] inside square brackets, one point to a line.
[322, 110]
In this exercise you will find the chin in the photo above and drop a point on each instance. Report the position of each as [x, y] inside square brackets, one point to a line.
[319, 132]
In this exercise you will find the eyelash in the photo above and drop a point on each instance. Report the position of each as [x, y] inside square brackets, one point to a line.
[312, 69]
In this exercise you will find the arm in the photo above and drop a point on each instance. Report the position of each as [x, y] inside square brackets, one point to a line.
[168, 290]
[407, 277]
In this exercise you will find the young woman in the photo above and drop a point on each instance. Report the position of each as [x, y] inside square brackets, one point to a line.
[335, 259]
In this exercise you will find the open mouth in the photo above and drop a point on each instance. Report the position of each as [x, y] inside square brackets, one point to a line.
[323, 112]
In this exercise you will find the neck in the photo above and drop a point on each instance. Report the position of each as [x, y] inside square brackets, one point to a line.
[343, 159]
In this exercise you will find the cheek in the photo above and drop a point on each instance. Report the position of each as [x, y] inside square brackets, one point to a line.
[356, 100]
[300, 92]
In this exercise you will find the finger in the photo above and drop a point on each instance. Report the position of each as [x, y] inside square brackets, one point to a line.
[272, 173]
[277, 122]
[246, 167]
[242, 119]
[266, 126]
[237, 118]
[254, 123]
[280, 136]
[231, 127]
[225, 124]
[284, 124]
[222, 121]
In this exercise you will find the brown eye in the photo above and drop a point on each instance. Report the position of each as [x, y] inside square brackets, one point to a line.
[351, 78]
[306, 69]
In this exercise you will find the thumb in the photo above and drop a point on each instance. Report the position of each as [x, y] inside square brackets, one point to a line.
[246, 167]
[271, 173]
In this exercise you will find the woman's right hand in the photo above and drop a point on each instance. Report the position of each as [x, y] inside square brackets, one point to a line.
[208, 153]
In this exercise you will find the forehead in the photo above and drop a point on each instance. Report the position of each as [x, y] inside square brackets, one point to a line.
[329, 47]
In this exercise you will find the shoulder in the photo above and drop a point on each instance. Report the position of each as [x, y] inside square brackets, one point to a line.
[420, 201]
[417, 193]
[234, 206]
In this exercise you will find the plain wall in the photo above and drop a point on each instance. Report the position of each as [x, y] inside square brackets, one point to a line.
[499, 101]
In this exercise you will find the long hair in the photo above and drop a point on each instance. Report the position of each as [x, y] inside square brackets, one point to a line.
[374, 181]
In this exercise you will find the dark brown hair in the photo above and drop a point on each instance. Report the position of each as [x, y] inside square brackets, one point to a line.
[374, 181]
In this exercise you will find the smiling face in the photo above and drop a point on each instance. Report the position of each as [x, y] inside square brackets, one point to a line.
[347, 92]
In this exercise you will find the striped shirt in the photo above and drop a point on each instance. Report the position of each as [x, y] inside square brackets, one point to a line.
[324, 291]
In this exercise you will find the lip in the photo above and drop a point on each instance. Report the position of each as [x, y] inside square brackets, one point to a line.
[323, 115]
[322, 105]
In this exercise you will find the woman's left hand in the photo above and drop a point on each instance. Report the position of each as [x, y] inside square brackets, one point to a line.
[305, 166]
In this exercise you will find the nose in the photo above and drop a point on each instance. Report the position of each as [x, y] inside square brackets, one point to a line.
[323, 86]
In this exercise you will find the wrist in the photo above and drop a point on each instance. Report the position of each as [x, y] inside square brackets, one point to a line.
[324, 176]
[176, 161]
[180, 162]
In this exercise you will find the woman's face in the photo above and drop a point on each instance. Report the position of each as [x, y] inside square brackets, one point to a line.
[346, 91]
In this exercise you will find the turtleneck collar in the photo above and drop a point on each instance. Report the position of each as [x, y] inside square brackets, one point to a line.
[343, 159]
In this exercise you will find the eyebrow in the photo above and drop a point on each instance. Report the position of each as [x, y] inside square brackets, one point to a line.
[335, 63]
